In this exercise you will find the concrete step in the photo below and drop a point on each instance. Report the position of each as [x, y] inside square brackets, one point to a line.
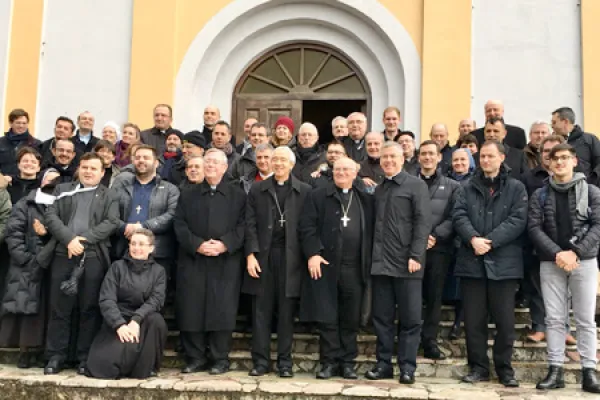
[31, 384]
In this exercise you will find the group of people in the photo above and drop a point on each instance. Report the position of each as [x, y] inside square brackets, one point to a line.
[365, 230]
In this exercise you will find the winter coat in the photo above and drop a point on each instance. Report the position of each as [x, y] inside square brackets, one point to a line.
[532, 156]
[441, 194]
[587, 148]
[5, 211]
[515, 161]
[501, 217]
[543, 230]
[131, 290]
[402, 226]
[304, 167]
[24, 278]
[81, 147]
[371, 168]
[163, 202]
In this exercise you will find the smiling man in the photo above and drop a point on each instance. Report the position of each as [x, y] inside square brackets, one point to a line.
[402, 228]
[155, 136]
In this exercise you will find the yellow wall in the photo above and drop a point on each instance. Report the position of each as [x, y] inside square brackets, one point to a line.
[162, 36]
[446, 90]
[590, 62]
[24, 58]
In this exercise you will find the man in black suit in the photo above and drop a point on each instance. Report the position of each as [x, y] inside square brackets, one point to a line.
[515, 136]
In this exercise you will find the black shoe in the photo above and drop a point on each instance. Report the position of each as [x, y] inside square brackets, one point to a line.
[259, 370]
[554, 380]
[474, 377]
[286, 372]
[432, 351]
[82, 369]
[509, 381]
[348, 372]
[219, 368]
[380, 373]
[195, 366]
[589, 381]
[24, 360]
[407, 378]
[454, 333]
[53, 367]
[327, 371]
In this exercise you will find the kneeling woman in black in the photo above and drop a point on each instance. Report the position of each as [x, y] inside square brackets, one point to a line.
[132, 339]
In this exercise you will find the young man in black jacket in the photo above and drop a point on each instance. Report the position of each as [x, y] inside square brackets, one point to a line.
[402, 228]
[490, 217]
[564, 225]
[80, 220]
[439, 244]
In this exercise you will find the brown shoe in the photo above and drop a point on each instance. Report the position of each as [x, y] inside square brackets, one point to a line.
[536, 337]
[570, 340]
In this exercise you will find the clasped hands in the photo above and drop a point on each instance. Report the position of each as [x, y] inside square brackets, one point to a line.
[481, 245]
[567, 260]
[129, 333]
[75, 247]
[212, 248]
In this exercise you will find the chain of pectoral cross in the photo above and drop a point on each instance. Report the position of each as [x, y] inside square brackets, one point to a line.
[281, 213]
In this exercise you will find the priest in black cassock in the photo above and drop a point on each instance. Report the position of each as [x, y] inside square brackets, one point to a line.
[209, 224]
[274, 261]
[336, 232]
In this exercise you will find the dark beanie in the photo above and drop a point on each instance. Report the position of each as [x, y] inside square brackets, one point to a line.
[176, 133]
[287, 121]
[195, 137]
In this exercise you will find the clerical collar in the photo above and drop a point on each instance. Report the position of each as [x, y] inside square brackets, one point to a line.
[345, 191]
[264, 176]
[278, 183]
[428, 177]
[357, 141]
[213, 187]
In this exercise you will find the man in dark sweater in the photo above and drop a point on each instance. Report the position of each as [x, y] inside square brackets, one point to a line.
[155, 136]
[564, 225]
[515, 136]
[370, 169]
[80, 220]
[63, 159]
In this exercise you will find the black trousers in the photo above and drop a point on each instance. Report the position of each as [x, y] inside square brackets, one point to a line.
[480, 297]
[62, 306]
[436, 269]
[338, 341]
[389, 292]
[207, 347]
[272, 301]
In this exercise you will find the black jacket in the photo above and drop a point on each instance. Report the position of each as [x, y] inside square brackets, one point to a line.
[402, 226]
[104, 220]
[534, 179]
[371, 168]
[501, 217]
[412, 167]
[131, 290]
[156, 138]
[163, 202]
[24, 277]
[543, 228]
[356, 151]
[587, 147]
[20, 188]
[8, 153]
[306, 166]
[66, 174]
[177, 173]
[320, 233]
[259, 232]
[81, 147]
[446, 162]
[441, 193]
[245, 166]
[515, 136]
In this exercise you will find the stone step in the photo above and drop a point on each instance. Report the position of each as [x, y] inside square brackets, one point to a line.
[31, 384]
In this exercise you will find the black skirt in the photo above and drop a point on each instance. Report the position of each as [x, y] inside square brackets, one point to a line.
[111, 359]
[26, 331]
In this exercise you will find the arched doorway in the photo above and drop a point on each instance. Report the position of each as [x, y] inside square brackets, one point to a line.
[305, 81]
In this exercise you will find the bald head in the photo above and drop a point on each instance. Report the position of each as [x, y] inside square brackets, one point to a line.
[211, 116]
[493, 108]
[357, 125]
[465, 127]
[373, 142]
[439, 134]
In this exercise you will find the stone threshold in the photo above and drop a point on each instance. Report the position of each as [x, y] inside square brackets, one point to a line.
[32, 384]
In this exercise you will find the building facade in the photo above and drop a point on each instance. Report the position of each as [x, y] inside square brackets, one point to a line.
[437, 60]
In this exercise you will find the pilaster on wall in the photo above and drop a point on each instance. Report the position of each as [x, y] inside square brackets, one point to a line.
[24, 58]
[153, 68]
[590, 62]
[446, 90]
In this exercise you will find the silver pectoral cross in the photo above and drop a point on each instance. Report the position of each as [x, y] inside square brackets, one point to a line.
[138, 209]
[281, 221]
[345, 220]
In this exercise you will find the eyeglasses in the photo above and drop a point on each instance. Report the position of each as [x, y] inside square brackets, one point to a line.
[561, 158]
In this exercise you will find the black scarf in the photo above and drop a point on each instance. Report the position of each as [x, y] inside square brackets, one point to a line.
[16, 139]
[138, 266]
[305, 153]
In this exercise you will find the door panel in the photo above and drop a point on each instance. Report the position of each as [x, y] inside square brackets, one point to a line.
[265, 111]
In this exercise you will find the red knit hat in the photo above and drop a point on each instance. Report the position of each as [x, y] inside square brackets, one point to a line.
[287, 121]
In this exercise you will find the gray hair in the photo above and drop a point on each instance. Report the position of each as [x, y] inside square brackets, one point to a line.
[375, 133]
[358, 114]
[289, 152]
[391, 143]
[540, 122]
[220, 153]
[565, 113]
[308, 125]
[195, 157]
[338, 118]
[263, 147]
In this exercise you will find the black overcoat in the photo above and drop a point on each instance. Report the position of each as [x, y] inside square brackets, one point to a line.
[321, 234]
[208, 288]
[260, 217]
